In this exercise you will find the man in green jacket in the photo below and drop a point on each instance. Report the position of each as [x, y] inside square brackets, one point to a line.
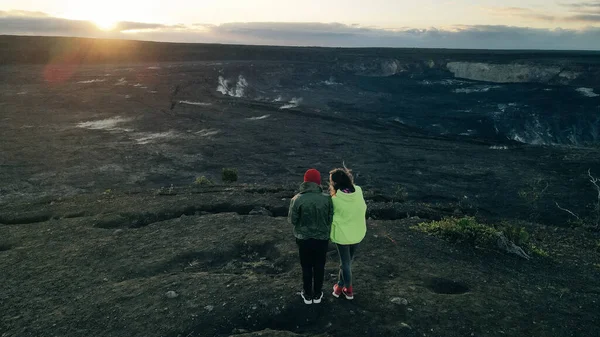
[311, 213]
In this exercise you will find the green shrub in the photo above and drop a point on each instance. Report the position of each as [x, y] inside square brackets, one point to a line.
[467, 230]
[538, 251]
[462, 230]
[230, 175]
[203, 181]
[518, 235]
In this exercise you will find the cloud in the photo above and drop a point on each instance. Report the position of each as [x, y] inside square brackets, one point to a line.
[126, 26]
[583, 12]
[316, 34]
[588, 12]
[590, 18]
[19, 13]
[45, 25]
[339, 35]
[38, 23]
[518, 11]
[593, 4]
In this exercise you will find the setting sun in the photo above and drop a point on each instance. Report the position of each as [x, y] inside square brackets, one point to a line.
[107, 14]
[105, 23]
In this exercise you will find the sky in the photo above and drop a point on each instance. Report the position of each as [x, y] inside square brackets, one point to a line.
[510, 24]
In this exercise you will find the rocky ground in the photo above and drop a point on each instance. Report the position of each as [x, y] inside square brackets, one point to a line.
[123, 128]
[104, 233]
[221, 260]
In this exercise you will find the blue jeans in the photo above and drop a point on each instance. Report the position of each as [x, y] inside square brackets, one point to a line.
[346, 253]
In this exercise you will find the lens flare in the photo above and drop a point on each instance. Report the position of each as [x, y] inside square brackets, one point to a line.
[105, 23]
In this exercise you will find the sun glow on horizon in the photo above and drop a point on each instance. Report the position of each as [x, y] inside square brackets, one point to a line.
[105, 23]
[107, 14]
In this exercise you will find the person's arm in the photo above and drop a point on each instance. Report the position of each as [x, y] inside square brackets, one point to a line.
[293, 214]
[366, 207]
[330, 211]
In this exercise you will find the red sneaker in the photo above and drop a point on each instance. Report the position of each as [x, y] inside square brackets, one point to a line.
[337, 290]
[348, 293]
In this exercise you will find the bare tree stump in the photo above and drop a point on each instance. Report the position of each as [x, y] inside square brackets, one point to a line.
[508, 246]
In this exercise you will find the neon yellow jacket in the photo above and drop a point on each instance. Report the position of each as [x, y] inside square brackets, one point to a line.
[349, 211]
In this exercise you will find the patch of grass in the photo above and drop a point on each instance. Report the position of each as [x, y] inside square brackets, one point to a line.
[468, 231]
[203, 181]
[461, 230]
[518, 235]
[108, 194]
[230, 175]
[585, 224]
[538, 251]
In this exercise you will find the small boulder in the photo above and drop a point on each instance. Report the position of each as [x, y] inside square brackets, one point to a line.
[261, 211]
[171, 294]
[399, 301]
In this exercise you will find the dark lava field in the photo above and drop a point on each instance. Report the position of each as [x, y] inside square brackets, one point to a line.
[104, 232]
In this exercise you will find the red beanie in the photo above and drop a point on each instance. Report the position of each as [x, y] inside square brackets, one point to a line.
[312, 176]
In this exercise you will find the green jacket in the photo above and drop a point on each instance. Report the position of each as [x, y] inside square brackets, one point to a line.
[311, 213]
[349, 212]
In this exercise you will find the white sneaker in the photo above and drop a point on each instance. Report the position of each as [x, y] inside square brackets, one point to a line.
[306, 299]
[317, 299]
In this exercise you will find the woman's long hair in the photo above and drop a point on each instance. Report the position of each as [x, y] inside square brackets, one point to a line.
[340, 179]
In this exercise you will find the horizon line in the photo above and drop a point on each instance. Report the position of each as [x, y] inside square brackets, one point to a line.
[295, 46]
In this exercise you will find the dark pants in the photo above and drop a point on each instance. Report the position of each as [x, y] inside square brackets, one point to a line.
[313, 254]
[346, 253]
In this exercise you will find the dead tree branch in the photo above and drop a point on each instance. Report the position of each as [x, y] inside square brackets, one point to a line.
[568, 211]
[596, 181]
[544, 190]
[508, 246]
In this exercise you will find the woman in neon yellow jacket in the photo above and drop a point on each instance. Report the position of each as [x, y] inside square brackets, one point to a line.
[349, 225]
